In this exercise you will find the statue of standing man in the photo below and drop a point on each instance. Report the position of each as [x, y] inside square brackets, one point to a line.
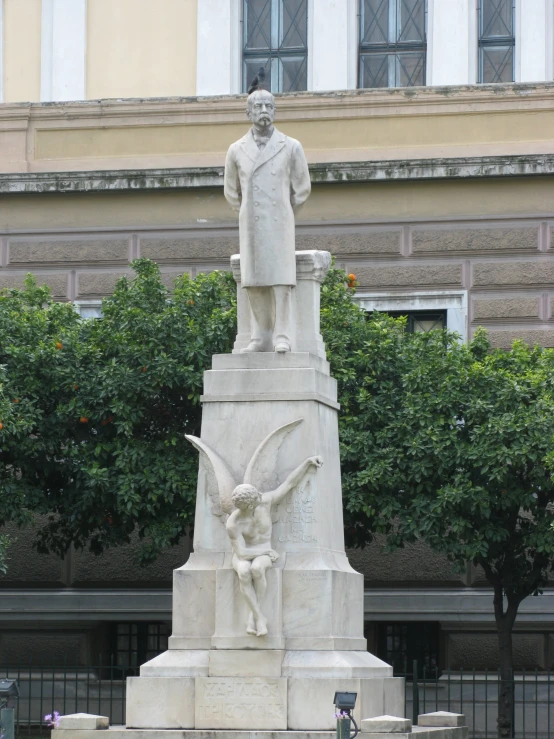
[266, 180]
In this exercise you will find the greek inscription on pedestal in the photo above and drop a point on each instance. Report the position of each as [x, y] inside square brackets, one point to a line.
[297, 514]
[229, 702]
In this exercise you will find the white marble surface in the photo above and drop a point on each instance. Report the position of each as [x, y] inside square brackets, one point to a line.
[177, 663]
[246, 663]
[386, 725]
[441, 718]
[334, 664]
[241, 703]
[81, 721]
[160, 702]
[232, 613]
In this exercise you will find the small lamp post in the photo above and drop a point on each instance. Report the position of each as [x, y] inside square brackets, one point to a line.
[9, 693]
[344, 704]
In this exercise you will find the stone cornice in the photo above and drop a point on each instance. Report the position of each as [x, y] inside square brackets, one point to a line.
[200, 177]
[334, 103]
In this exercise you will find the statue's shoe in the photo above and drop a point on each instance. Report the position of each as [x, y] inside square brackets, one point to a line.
[255, 346]
[282, 347]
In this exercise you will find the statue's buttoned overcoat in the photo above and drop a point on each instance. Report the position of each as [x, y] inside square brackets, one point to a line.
[266, 186]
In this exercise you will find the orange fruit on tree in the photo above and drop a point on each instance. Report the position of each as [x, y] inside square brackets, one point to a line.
[352, 277]
[1, 427]
[16, 400]
[59, 345]
[83, 419]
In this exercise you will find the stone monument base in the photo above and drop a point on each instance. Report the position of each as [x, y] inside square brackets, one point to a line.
[271, 690]
[439, 725]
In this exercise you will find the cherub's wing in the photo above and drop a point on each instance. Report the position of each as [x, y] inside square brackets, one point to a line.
[261, 472]
[221, 482]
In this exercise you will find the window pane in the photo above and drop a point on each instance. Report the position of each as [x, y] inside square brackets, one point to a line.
[375, 22]
[496, 18]
[497, 63]
[411, 20]
[294, 74]
[410, 69]
[294, 24]
[251, 67]
[374, 70]
[257, 24]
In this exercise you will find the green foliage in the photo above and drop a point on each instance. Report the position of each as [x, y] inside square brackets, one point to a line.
[94, 412]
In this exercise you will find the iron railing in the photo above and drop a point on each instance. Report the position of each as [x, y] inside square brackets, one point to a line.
[475, 694]
[98, 689]
[101, 689]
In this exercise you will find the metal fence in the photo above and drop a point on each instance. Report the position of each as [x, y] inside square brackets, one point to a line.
[100, 689]
[475, 694]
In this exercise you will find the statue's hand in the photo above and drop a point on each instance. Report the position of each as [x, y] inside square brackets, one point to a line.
[273, 555]
[316, 461]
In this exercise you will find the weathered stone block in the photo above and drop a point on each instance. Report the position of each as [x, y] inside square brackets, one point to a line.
[474, 239]
[441, 718]
[83, 722]
[98, 283]
[56, 282]
[160, 702]
[385, 725]
[348, 242]
[168, 278]
[506, 308]
[382, 277]
[185, 247]
[505, 339]
[74, 250]
[513, 273]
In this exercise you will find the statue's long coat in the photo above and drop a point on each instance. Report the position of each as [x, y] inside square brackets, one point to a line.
[266, 186]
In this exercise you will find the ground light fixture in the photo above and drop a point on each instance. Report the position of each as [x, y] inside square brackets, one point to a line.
[9, 693]
[344, 705]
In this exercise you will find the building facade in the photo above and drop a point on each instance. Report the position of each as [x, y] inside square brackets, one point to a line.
[428, 130]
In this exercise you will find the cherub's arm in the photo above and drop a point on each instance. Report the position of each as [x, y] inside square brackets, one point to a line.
[237, 539]
[295, 477]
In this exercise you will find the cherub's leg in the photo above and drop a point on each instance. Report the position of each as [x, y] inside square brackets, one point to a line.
[259, 567]
[243, 570]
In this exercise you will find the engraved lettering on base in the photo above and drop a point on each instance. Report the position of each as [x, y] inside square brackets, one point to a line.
[241, 703]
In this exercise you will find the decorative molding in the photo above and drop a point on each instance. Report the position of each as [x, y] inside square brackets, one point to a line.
[192, 178]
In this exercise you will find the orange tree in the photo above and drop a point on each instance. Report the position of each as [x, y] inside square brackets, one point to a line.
[453, 445]
[94, 411]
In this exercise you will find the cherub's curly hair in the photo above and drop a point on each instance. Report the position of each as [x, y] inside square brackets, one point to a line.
[246, 494]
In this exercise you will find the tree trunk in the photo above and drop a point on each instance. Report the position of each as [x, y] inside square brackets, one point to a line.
[504, 625]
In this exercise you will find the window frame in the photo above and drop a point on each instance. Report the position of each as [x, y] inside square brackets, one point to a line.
[393, 48]
[454, 302]
[261, 57]
[83, 305]
[492, 42]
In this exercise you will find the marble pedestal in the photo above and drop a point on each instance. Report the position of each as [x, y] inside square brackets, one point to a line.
[214, 675]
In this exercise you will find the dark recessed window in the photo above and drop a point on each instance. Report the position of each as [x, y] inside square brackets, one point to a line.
[399, 644]
[420, 320]
[136, 643]
[393, 43]
[496, 40]
[275, 36]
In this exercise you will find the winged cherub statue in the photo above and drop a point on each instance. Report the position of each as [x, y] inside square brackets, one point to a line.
[248, 513]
